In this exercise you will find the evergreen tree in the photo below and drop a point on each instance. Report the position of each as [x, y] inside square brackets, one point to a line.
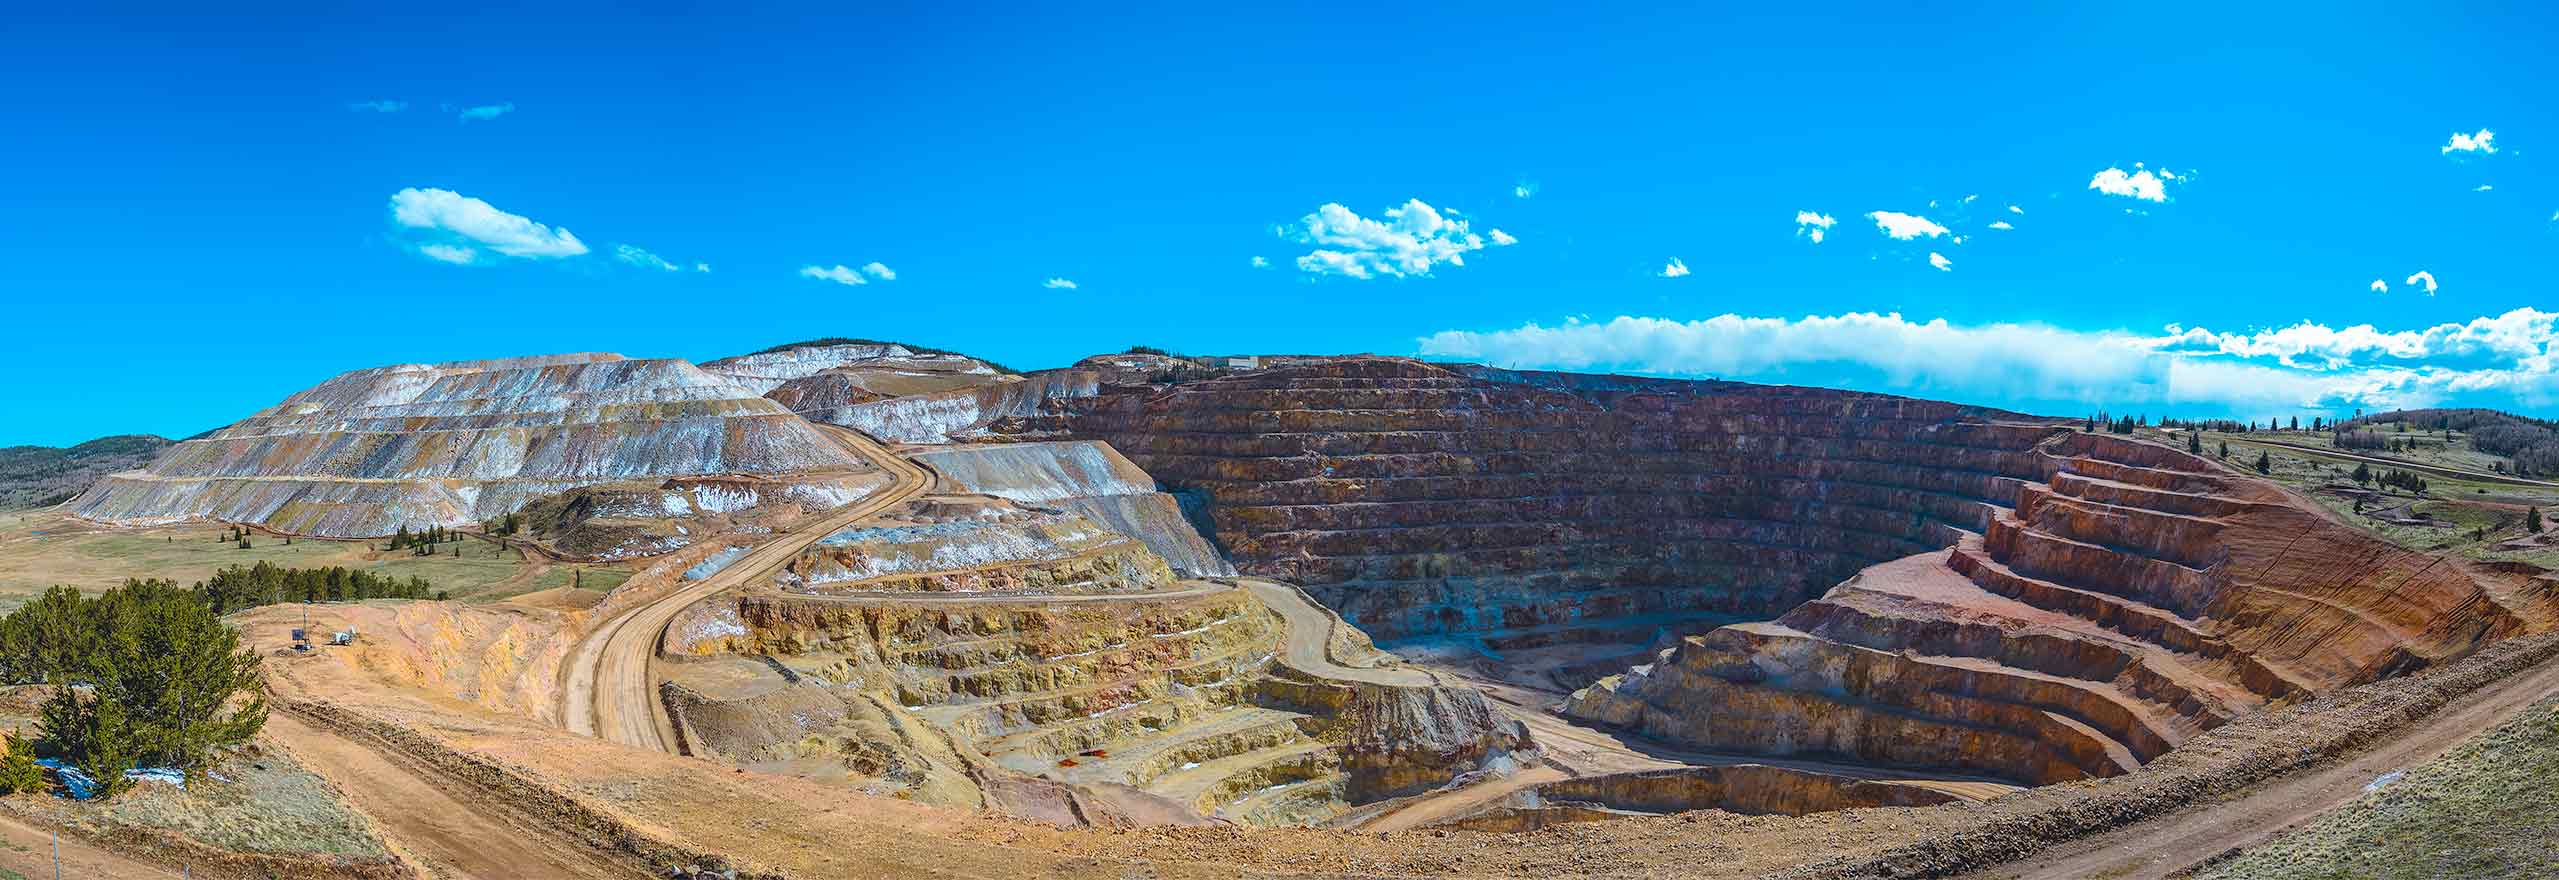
[2264, 464]
[19, 772]
[2225, 450]
[2363, 473]
[2194, 442]
[2532, 520]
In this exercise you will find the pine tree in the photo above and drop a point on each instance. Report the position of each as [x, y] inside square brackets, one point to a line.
[2532, 520]
[2363, 473]
[19, 772]
[2194, 442]
[2225, 450]
[2264, 464]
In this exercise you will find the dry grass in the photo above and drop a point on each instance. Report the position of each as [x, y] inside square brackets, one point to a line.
[43, 548]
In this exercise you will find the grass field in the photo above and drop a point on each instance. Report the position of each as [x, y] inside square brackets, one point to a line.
[41, 549]
[2480, 517]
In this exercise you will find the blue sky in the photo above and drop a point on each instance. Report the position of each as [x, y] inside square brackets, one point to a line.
[205, 214]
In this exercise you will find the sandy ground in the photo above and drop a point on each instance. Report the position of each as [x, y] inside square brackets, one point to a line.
[2167, 844]
[443, 827]
[30, 851]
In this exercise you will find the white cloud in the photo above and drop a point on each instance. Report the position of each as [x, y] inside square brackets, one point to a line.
[2013, 209]
[1524, 189]
[1904, 226]
[2141, 183]
[457, 224]
[1058, 284]
[448, 253]
[879, 271]
[2250, 373]
[1814, 225]
[1674, 269]
[838, 274]
[2482, 188]
[643, 259]
[1502, 239]
[1261, 262]
[1939, 260]
[486, 112]
[2002, 224]
[384, 106]
[1412, 239]
[701, 267]
[2482, 143]
[2422, 279]
[2380, 286]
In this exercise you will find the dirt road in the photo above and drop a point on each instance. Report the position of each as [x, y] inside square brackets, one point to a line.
[28, 851]
[439, 825]
[2162, 846]
[1310, 634]
[610, 691]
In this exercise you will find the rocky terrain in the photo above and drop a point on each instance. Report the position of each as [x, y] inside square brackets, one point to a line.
[1799, 628]
[2138, 597]
[410, 446]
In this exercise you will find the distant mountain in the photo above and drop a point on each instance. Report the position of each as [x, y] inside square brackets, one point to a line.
[42, 476]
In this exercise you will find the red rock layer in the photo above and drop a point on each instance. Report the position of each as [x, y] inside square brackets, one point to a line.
[2136, 597]
[1422, 499]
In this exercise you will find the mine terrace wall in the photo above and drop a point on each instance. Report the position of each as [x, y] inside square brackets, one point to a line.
[1424, 500]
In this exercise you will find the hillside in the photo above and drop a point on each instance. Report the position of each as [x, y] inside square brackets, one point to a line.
[41, 476]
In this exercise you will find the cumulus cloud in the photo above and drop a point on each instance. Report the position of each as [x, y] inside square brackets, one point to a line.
[2482, 188]
[879, 271]
[1904, 226]
[385, 106]
[2141, 183]
[459, 227]
[642, 258]
[1814, 225]
[486, 112]
[2425, 280]
[2380, 286]
[2482, 143]
[1260, 262]
[2262, 372]
[1412, 239]
[701, 267]
[1939, 260]
[837, 273]
[1058, 284]
[2001, 224]
[1524, 189]
[2013, 209]
[1674, 269]
[1502, 239]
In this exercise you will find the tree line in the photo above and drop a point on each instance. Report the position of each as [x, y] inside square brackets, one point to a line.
[233, 588]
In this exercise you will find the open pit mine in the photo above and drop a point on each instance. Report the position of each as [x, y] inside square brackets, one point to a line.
[1290, 597]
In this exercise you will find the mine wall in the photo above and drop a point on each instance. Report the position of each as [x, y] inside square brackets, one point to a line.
[1420, 501]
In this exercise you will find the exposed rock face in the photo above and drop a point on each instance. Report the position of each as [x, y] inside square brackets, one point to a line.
[958, 414]
[1423, 500]
[371, 451]
[612, 521]
[816, 374]
[977, 548]
[1086, 478]
[1755, 789]
[2135, 598]
[1180, 697]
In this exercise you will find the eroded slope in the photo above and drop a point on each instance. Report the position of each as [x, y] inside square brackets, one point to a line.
[412, 445]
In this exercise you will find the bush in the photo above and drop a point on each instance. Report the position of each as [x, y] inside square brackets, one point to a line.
[19, 772]
[147, 674]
